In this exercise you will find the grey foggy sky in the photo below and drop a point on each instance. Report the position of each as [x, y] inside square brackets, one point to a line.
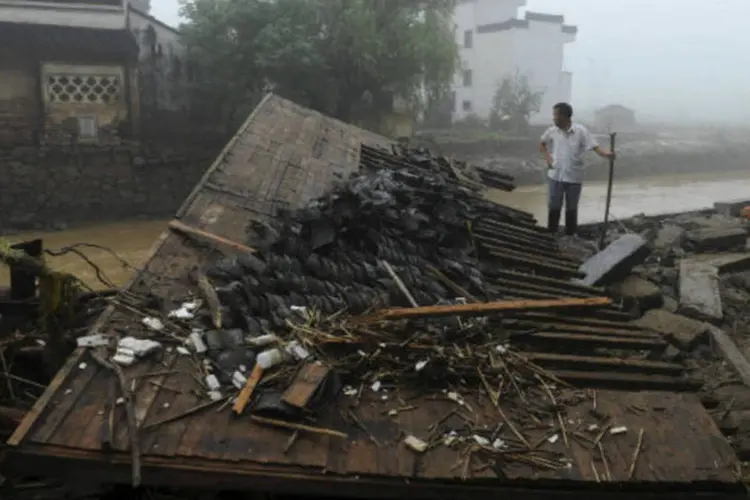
[668, 59]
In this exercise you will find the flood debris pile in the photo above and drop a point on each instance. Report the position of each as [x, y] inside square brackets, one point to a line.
[694, 288]
[377, 293]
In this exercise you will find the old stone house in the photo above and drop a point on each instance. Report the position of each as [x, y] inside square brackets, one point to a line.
[66, 72]
[71, 70]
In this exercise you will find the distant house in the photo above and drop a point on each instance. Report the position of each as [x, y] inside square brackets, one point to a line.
[616, 118]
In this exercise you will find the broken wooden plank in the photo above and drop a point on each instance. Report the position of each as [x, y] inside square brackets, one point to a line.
[206, 237]
[523, 324]
[616, 261]
[629, 381]
[726, 346]
[298, 427]
[485, 308]
[699, 291]
[307, 381]
[600, 362]
[682, 331]
[717, 238]
[246, 393]
[578, 340]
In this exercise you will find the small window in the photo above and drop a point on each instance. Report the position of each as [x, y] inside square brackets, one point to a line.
[468, 39]
[467, 77]
[87, 128]
[466, 105]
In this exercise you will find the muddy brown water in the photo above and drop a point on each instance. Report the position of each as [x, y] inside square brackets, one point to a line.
[132, 240]
[649, 195]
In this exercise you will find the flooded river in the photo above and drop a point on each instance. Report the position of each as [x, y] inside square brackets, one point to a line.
[650, 195]
[132, 240]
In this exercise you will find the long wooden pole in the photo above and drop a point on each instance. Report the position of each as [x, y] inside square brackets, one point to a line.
[609, 191]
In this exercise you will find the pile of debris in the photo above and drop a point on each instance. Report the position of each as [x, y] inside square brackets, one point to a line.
[388, 287]
[693, 288]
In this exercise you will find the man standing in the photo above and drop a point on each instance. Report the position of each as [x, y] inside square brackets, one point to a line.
[569, 141]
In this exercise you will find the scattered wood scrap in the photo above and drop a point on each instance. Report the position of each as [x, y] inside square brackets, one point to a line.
[486, 308]
[206, 237]
[307, 382]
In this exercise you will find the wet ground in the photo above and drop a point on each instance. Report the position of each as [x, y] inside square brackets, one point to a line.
[132, 240]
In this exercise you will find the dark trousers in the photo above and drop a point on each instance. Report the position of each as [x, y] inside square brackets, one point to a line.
[570, 194]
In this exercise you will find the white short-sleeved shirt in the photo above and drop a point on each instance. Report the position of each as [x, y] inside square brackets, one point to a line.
[567, 148]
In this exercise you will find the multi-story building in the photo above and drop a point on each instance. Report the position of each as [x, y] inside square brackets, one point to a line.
[69, 69]
[495, 43]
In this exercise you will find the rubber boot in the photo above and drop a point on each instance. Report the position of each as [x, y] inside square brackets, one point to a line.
[553, 221]
[571, 222]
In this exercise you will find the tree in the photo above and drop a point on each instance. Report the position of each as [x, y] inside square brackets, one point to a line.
[347, 58]
[513, 103]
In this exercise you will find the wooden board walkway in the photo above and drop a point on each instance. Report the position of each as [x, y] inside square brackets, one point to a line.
[282, 157]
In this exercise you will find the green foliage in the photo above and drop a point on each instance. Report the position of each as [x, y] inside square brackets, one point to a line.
[513, 104]
[347, 58]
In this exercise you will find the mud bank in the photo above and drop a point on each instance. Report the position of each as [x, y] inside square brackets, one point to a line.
[637, 157]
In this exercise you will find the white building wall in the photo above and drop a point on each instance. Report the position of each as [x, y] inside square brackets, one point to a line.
[532, 47]
[494, 59]
[540, 58]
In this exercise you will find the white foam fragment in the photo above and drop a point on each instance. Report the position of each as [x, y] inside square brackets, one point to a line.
[154, 324]
[97, 340]
[296, 350]
[262, 340]
[420, 365]
[553, 439]
[182, 313]
[502, 349]
[183, 351]
[123, 359]
[592, 428]
[196, 340]
[415, 444]
[350, 391]
[212, 382]
[614, 431]
[393, 413]
[480, 440]
[375, 386]
[215, 395]
[456, 397]
[192, 305]
[139, 347]
[239, 380]
[499, 444]
[82, 366]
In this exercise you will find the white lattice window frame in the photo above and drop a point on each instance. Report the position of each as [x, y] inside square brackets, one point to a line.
[66, 84]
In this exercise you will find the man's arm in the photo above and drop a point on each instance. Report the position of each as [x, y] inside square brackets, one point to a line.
[604, 153]
[544, 149]
[594, 146]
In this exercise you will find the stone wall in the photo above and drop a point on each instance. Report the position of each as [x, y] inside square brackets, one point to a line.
[44, 188]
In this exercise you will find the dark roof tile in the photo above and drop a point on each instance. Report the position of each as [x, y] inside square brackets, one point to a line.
[39, 38]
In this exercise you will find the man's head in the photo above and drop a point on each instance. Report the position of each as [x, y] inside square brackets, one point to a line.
[562, 113]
